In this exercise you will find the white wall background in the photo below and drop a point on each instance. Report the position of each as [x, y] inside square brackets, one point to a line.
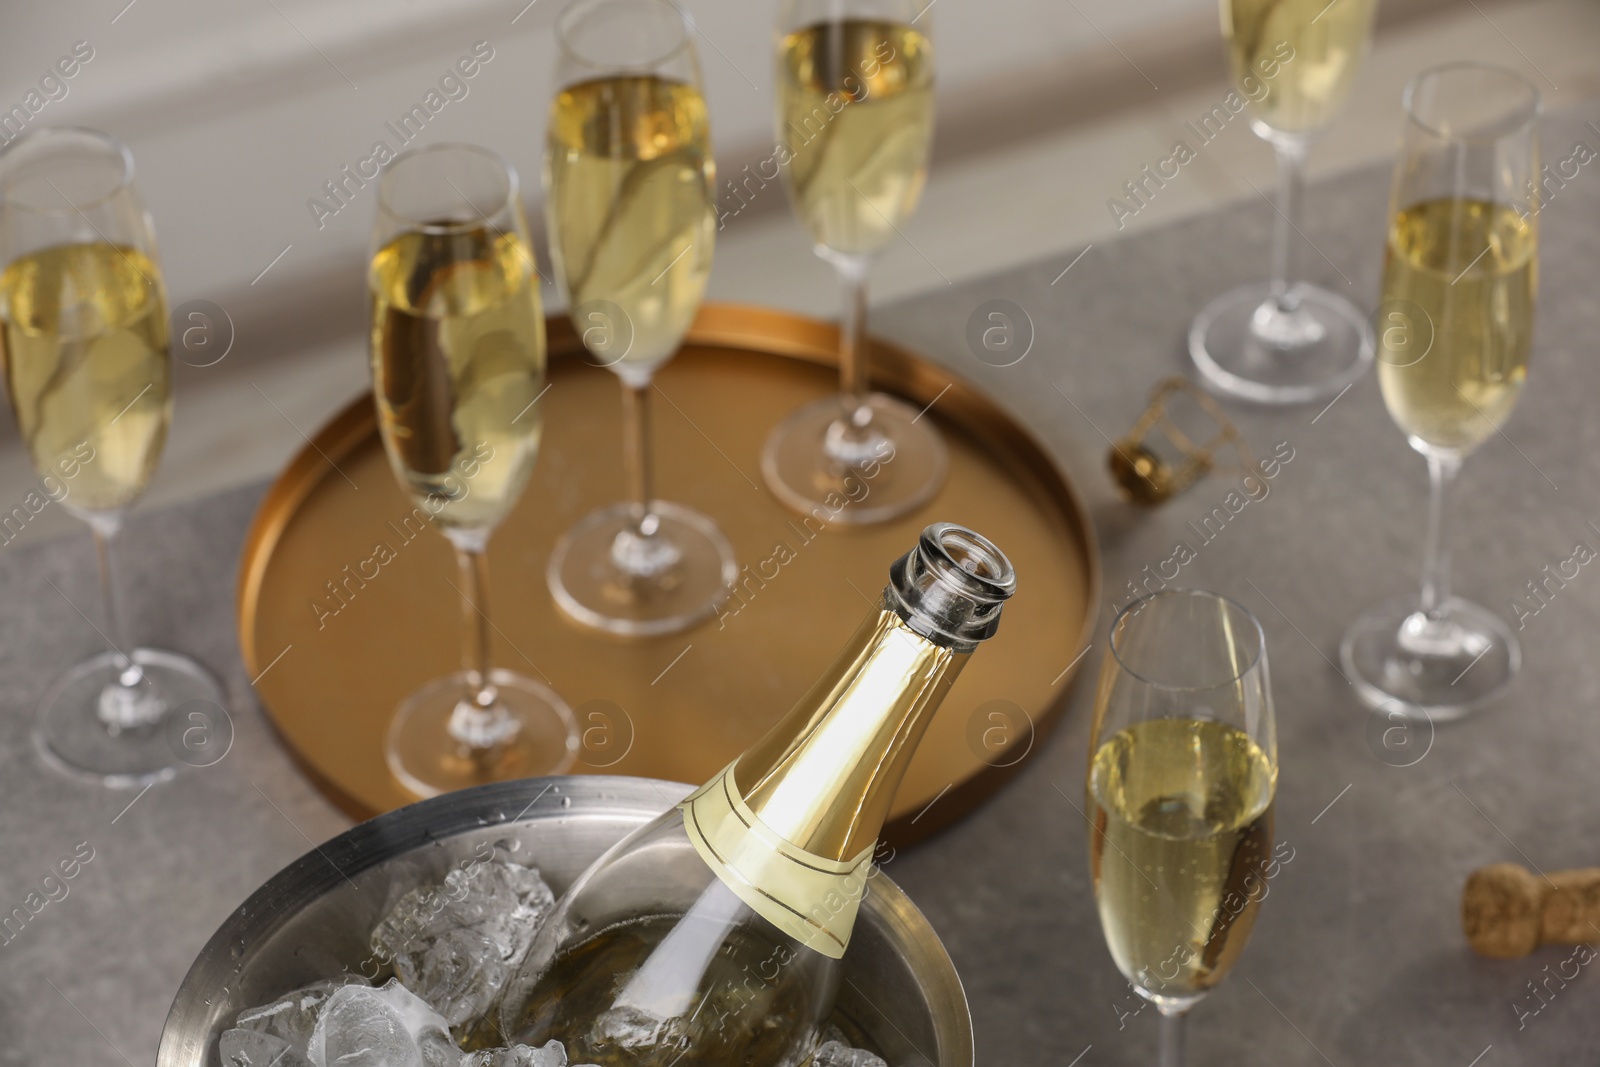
[238, 110]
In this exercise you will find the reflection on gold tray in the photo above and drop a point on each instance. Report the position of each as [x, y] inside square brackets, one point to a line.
[677, 707]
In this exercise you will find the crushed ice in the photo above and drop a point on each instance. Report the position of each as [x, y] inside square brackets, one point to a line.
[452, 946]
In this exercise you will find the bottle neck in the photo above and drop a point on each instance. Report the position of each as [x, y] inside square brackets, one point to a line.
[823, 778]
[790, 826]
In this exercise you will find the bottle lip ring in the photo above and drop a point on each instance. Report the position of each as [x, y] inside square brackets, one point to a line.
[951, 586]
[937, 541]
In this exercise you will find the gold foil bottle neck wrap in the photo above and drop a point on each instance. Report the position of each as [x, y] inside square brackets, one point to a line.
[809, 898]
[790, 825]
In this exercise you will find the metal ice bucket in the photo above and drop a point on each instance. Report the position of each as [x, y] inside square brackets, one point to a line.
[311, 919]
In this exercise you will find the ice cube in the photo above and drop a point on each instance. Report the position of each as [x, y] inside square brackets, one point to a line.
[290, 1018]
[629, 1027]
[385, 1027]
[839, 1054]
[256, 1048]
[455, 944]
[553, 1054]
[831, 1032]
[636, 1033]
[439, 1049]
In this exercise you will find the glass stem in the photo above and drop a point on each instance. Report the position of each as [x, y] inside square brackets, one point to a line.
[641, 551]
[473, 564]
[1170, 1039]
[1286, 222]
[105, 526]
[853, 371]
[636, 448]
[480, 722]
[853, 439]
[1442, 470]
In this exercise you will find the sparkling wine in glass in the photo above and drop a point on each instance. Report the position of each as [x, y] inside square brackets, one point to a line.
[632, 221]
[1456, 328]
[83, 339]
[855, 123]
[1183, 770]
[1285, 341]
[458, 362]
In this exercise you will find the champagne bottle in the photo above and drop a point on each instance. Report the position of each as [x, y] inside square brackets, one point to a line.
[712, 935]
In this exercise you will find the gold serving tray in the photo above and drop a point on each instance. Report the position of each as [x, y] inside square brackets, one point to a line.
[676, 707]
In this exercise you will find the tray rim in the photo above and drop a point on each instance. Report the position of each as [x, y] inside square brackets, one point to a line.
[717, 325]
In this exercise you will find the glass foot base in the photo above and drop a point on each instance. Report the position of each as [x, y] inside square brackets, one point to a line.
[1245, 348]
[539, 736]
[678, 577]
[91, 727]
[902, 473]
[1404, 663]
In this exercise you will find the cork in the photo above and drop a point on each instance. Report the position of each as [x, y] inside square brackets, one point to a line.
[1508, 911]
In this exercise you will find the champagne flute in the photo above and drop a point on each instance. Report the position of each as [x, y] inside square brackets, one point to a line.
[632, 220]
[83, 338]
[855, 123]
[1285, 341]
[1182, 775]
[1459, 277]
[458, 360]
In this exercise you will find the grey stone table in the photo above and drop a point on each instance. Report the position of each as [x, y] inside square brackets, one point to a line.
[1358, 955]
